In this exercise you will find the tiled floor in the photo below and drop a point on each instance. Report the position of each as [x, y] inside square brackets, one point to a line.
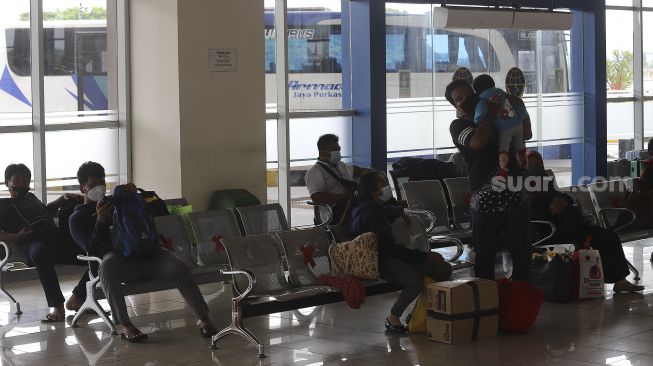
[617, 330]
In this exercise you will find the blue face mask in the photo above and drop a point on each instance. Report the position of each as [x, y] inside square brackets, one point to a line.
[335, 157]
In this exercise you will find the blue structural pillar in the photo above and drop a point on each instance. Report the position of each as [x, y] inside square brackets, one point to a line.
[345, 31]
[368, 84]
[589, 68]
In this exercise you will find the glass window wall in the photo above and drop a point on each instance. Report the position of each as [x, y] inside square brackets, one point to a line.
[80, 87]
[315, 91]
[422, 60]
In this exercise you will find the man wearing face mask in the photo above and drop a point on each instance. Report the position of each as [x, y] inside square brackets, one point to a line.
[397, 264]
[26, 221]
[90, 227]
[498, 217]
[330, 181]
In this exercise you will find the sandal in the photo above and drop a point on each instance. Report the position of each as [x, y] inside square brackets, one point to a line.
[629, 287]
[208, 331]
[134, 337]
[50, 318]
[395, 329]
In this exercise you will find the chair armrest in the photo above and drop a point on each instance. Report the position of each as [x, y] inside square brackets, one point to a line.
[602, 211]
[429, 215]
[7, 254]
[89, 259]
[329, 211]
[251, 281]
[551, 226]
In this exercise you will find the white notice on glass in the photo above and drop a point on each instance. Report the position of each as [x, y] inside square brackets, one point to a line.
[222, 59]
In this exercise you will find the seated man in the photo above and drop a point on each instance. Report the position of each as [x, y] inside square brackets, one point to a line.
[330, 181]
[29, 223]
[89, 226]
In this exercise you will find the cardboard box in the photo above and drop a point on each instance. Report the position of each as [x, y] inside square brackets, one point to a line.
[462, 310]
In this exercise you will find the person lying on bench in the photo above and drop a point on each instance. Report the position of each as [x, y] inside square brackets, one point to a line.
[26, 221]
[397, 264]
[89, 226]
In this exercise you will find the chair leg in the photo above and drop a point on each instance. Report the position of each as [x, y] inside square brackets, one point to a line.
[238, 328]
[7, 295]
[91, 303]
[634, 270]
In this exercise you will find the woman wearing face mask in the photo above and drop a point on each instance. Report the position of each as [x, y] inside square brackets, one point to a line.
[551, 205]
[397, 264]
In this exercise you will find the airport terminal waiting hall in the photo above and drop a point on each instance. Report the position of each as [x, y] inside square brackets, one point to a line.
[333, 182]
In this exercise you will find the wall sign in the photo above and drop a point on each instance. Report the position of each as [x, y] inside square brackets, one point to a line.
[223, 60]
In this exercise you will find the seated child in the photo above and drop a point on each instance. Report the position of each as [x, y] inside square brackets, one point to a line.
[508, 121]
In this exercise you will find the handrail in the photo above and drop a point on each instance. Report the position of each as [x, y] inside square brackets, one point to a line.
[553, 228]
[428, 214]
[604, 219]
[323, 223]
[251, 281]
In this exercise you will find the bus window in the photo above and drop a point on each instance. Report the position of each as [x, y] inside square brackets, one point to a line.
[297, 55]
[449, 50]
[67, 51]
[91, 53]
[310, 50]
[394, 50]
[18, 51]
[270, 55]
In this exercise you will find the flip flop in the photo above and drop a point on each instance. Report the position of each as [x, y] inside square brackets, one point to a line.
[50, 319]
[134, 337]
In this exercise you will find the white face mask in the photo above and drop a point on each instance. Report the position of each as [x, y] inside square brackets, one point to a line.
[335, 157]
[386, 194]
[97, 193]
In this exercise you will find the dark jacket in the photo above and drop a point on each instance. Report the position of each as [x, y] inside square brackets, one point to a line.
[569, 219]
[88, 232]
[368, 216]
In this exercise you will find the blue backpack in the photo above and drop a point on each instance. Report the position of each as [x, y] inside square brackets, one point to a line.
[134, 234]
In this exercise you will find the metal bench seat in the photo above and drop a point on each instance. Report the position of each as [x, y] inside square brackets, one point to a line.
[173, 232]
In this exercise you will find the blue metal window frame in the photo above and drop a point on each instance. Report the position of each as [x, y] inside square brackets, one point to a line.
[368, 83]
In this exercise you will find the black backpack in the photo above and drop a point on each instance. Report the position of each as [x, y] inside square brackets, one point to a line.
[154, 205]
[64, 212]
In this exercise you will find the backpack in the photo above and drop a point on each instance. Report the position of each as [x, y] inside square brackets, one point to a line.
[154, 205]
[133, 234]
[63, 216]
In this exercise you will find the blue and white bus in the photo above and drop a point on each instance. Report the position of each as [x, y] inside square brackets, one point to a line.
[75, 72]
[419, 62]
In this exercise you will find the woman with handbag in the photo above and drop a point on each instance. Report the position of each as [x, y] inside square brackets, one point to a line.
[397, 264]
[551, 205]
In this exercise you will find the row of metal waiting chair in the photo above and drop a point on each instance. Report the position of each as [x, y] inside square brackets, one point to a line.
[262, 286]
[268, 260]
[218, 244]
[449, 202]
[603, 204]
